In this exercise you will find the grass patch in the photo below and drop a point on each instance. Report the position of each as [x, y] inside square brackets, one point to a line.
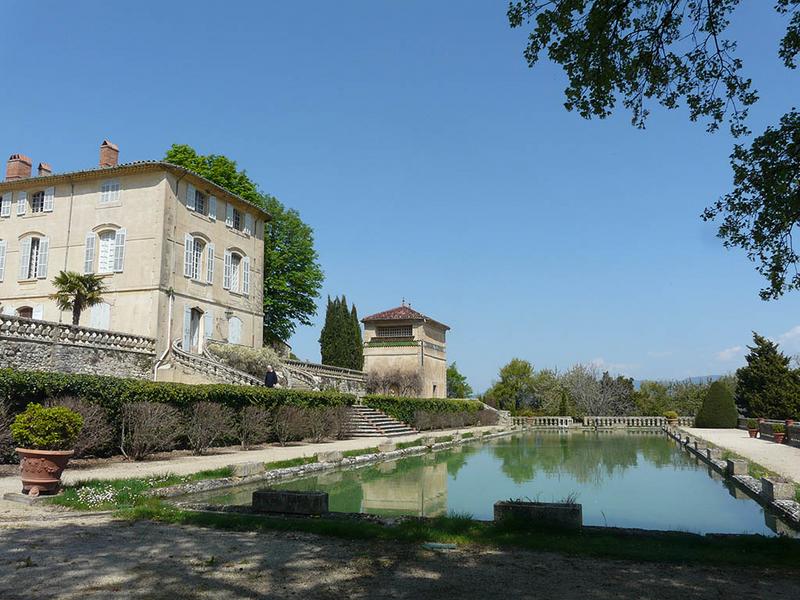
[468, 435]
[361, 452]
[677, 547]
[443, 439]
[98, 494]
[292, 462]
[413, 444]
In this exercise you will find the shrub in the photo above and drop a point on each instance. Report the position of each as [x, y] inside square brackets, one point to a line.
[254, 424]
[149, 427]
[6, 443]
[718, 410]
[290, 424]
[394, 383]
[487, 417]
[338, 419]
[40, 428]
[97, 435]
[250, 360]
[779, 428]
[317, 424]
[752, 423]
[208, 423]
[404, 409]
[671, 415]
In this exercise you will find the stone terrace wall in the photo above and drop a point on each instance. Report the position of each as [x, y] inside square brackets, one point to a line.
[33, 345]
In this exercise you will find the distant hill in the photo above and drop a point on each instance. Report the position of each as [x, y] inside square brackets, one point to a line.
[698, 379]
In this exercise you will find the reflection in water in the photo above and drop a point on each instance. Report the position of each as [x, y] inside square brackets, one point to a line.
[621, 479]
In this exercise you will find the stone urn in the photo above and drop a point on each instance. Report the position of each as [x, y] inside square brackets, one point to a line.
[753, 432]
[40, 470]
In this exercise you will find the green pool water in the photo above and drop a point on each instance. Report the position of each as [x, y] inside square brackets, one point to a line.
[622, 479]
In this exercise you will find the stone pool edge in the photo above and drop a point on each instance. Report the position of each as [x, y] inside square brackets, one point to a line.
[426, 445]
[788, 509]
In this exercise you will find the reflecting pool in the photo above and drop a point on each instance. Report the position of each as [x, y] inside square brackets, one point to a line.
[622, 479]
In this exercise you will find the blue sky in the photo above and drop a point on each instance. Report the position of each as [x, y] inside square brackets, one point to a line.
[432, 164]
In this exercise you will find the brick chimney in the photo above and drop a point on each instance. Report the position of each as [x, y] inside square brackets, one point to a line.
[109, 154]
[18, 167]
[45, 169]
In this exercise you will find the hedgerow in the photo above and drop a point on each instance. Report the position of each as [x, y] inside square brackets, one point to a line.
[405, 409]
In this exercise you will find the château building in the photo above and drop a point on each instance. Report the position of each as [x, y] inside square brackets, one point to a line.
[400, 342]
[181, 257]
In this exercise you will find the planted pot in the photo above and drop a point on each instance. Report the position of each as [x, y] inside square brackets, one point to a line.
[779, 437]
[672, 422]
[753, 432]
[40, 470]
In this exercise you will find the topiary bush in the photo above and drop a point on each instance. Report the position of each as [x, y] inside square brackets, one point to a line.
[40, 428]
[718, 410]
[670, 415]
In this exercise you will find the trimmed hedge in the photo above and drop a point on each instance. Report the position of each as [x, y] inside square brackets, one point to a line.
[404, 409]
[19, 388]
[718, 410]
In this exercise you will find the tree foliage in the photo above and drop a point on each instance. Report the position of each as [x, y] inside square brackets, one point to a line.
[767, 386]
[515, 388]
[718, 410]
[457, 386]
[76, 292]
[292, 273]
[671, 52]
[340, 339]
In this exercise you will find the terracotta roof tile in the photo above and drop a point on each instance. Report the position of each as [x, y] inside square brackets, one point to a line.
[401, 313]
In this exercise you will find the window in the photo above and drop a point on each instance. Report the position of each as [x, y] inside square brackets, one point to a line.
[198, 259]
[5, 205]
[394, 332]
[25, 312]
[201, 202]
[105, 249]
[33, 257]
[237, 273]
[237, 219]
[109, 191]
[37, 202]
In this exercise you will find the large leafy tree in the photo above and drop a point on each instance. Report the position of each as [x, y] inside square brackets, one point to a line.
[76, 292]
[457, 386]
[515, 388]
[292, 273]
[767, 386]
[673, 52]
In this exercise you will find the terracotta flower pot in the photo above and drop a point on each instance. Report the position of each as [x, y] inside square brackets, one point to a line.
[672, 422]
[40, 470]
[753, 432]
[779, 437]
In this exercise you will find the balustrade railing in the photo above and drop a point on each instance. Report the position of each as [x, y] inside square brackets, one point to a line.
[634, 422]
[327, 370]
[20, 328]
[549, 422]
[213, 368]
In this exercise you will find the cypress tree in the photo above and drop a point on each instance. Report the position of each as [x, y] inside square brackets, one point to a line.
[358, 342]
[325, 342]
[767, 386]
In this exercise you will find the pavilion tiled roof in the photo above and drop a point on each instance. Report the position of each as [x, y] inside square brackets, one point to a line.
[401, 313]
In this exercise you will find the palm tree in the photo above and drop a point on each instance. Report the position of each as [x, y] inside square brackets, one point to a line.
[77, 292]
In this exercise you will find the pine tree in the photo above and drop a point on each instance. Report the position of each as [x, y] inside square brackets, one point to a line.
[767, 386]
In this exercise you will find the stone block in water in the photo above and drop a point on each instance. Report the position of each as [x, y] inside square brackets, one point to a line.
[546, 514]
[289, 502]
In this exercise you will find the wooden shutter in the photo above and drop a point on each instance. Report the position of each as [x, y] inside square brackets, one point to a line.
[190, 197]
[101, 316]
[44, 250]
[210, 263]
[226, 274]
[234, 330]
[38, 311]
[119, 249]
[187, 328]
[248, 224]
[246, 275]
[212, 208]
[22, 202]
[49, 196]
[188, 255]
[208, 326]
[229, 214]
[88, 255]
[24, 258]
[2, 259]
[5, 205]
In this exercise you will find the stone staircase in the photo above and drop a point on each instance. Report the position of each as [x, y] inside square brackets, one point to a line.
[370, 422]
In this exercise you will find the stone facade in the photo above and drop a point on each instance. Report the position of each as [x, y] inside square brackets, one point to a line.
[404, 341]
[181, 257]
[26, 344]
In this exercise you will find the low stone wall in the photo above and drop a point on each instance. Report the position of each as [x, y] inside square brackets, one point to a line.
[33, 345]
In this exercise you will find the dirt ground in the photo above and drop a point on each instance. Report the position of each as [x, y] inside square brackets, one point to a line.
[63, 556]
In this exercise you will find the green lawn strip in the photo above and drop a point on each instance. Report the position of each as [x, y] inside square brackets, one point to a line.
[103, 494]
[361, 452]
[411, 444]
[291, 462]
[466, 436]
[443, 439]
[676, 547]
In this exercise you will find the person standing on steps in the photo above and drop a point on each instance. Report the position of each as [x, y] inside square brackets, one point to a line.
[271, 379]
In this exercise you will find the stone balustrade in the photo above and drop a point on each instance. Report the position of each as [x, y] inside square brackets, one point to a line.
[327, 370]
[19, 328]
[543, 422]
[632, 422]
[212, 368]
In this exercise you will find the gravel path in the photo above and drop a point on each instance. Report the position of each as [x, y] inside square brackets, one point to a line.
[88, 558]
[780, 458]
